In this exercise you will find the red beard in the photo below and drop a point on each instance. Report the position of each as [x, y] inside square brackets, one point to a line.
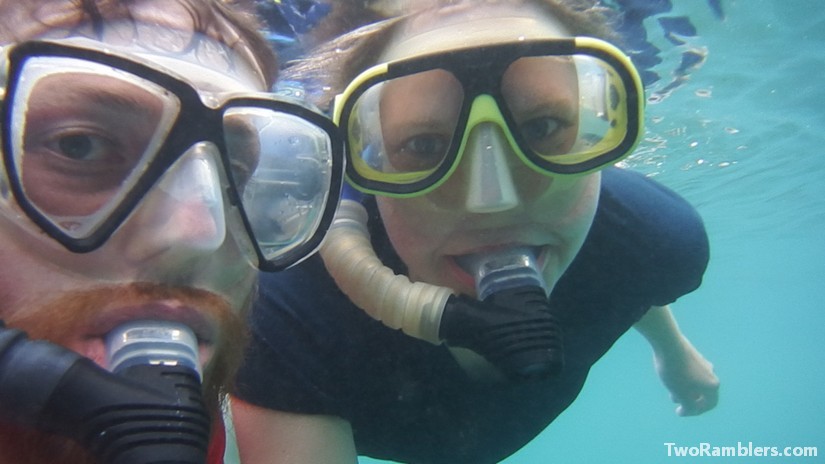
[60, 319]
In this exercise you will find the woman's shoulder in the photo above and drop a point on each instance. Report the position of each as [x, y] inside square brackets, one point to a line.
[647, 235]
[634, 204]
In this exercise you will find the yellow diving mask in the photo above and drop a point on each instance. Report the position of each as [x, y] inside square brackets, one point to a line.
[565, 106]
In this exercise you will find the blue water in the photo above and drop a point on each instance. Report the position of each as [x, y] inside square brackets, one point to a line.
[744, 140]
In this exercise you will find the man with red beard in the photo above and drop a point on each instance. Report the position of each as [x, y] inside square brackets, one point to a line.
[146, 177]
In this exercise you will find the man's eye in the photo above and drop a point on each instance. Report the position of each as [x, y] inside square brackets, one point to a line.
[243, 146]
[78, 147]
[241, 173]
[81, 146]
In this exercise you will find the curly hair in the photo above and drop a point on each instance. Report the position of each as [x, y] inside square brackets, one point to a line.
[231, 22]
[333, 64]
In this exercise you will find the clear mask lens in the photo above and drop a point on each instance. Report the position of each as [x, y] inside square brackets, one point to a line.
[91, 136]
[577, 114]
[82, 133]
[283, 168]
[400, 130]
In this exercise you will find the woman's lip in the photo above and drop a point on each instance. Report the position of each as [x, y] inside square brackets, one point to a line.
[465, 276]
[491, 247]
[539, 250]
[461, 276]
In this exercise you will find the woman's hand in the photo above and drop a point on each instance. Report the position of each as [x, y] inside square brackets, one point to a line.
[685, 372]
[690, 378]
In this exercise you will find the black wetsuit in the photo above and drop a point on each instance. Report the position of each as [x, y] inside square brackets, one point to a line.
[313, 352]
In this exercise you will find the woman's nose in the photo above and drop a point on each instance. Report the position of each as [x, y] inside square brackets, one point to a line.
[486, 160]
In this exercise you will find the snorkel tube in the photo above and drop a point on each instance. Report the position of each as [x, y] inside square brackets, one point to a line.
[415, 308]
[513, 327]
[149, 409]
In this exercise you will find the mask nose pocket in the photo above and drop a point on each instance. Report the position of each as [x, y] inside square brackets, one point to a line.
[491, 187]
[186, 208]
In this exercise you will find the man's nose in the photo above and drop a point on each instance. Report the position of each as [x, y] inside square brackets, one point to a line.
[490, 183]
[184, 212]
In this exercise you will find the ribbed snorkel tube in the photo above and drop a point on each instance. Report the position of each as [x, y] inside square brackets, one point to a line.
[414, 307]
[514, 328]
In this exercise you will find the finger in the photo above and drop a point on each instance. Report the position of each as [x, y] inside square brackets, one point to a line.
[698, 404]
[711, 398]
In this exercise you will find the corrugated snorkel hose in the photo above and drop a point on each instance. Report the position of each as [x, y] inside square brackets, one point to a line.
[413, 307]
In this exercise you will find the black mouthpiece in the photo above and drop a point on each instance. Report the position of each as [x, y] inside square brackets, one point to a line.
[513, 326]
[146, 414]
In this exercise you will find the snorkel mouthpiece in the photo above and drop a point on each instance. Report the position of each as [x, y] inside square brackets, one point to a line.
[149, 410]
[511, 324]
[152, 343]
[503, 269]
[169, 423]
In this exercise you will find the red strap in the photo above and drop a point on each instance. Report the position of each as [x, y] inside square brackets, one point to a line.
[217, 442]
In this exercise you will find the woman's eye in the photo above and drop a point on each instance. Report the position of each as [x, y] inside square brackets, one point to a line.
[537, 129]
[425, 145]
[420, 152]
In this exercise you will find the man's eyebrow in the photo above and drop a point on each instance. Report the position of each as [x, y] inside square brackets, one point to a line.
[87, 97]
[113, 100]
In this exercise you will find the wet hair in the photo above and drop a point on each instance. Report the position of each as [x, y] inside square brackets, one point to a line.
[333, 64]
[231, 22]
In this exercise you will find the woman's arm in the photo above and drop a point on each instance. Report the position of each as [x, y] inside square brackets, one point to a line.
[266, 436]
[683, 370]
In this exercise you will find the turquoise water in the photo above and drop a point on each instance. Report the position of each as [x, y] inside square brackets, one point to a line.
[744, 141]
